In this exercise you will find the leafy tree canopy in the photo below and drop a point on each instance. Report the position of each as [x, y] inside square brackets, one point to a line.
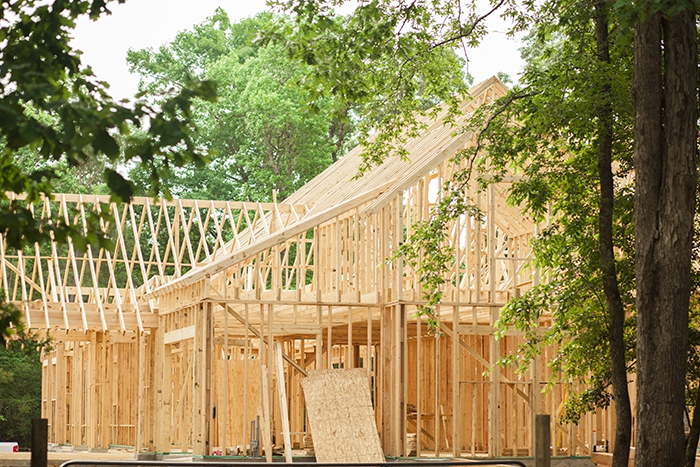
[264, 135]
[393, 60]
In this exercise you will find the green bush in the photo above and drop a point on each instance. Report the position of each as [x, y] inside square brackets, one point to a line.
[20, 390]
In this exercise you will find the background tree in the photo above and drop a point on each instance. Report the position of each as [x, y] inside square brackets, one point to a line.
[264, 135]
[20, 386]
[391, 61]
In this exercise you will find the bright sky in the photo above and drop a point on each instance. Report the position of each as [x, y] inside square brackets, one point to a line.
[138, 24]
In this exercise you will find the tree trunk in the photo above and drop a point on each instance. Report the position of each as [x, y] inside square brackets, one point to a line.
[665, 171]
[616, 311]
[694, 435]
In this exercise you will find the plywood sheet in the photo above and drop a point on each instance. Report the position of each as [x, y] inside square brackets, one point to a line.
[341, 416]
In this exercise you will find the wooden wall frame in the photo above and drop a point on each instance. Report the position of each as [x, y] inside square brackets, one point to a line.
[168, 342]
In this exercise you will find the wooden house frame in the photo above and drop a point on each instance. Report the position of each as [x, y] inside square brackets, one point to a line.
[168, 342]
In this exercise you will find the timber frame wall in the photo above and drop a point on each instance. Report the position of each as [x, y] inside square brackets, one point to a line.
[168, 342]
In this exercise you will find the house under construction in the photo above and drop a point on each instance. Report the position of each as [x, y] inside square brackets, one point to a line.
[182, 334]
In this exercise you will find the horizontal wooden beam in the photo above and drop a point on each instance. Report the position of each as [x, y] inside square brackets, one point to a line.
[179, 335]
[188, 203]
[92, 315]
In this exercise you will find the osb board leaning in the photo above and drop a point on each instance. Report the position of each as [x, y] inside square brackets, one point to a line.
[341, 416]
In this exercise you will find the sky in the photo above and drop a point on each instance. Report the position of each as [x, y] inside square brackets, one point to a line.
[138, 24]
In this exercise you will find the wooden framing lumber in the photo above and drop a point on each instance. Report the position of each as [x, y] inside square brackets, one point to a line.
[312, 281]
[282, 392]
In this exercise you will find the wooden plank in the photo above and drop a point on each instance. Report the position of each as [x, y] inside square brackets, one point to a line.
[207, 421]
[482, 360]
[141, 200]
[223, 414]
[266, 415]
[60, 420]
[93, 271]
[74, 267]
[112, 280]
[57, 314]
[188, 223]
[141, 416]
[185, 389]
[137, 248]
[351, 349]
[159, 375]
[78, 389]
[105, 392]
[246, 357]
[420, 384]
[270, 361]
[129, 280]
[282, 391]
[179, 334]
[436, 401]
[166, 388]
[341, 416]
[329, 341]
[456, 388]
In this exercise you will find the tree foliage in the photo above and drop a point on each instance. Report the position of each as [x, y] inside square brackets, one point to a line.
[20, 387]
[261, 131]
[393, 61]
[556, 149]
[553, 148]
[54, 107]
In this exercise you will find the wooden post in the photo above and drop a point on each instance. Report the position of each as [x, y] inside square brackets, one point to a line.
[402, 363]
[330, 339]
[77, 375]
[283, 405]
[60, 417]
[208, 361]
[40, 442]
[246, 364]
[319, 338]
[166, 397]
[105, 390]
[420, 372]
[270, 373]
[158, 367]
[436, 402]
[456, 401]
[542, 441]
[92, 412]
[223, 415]
[140, 404]
[267, 439]
[494, 345]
